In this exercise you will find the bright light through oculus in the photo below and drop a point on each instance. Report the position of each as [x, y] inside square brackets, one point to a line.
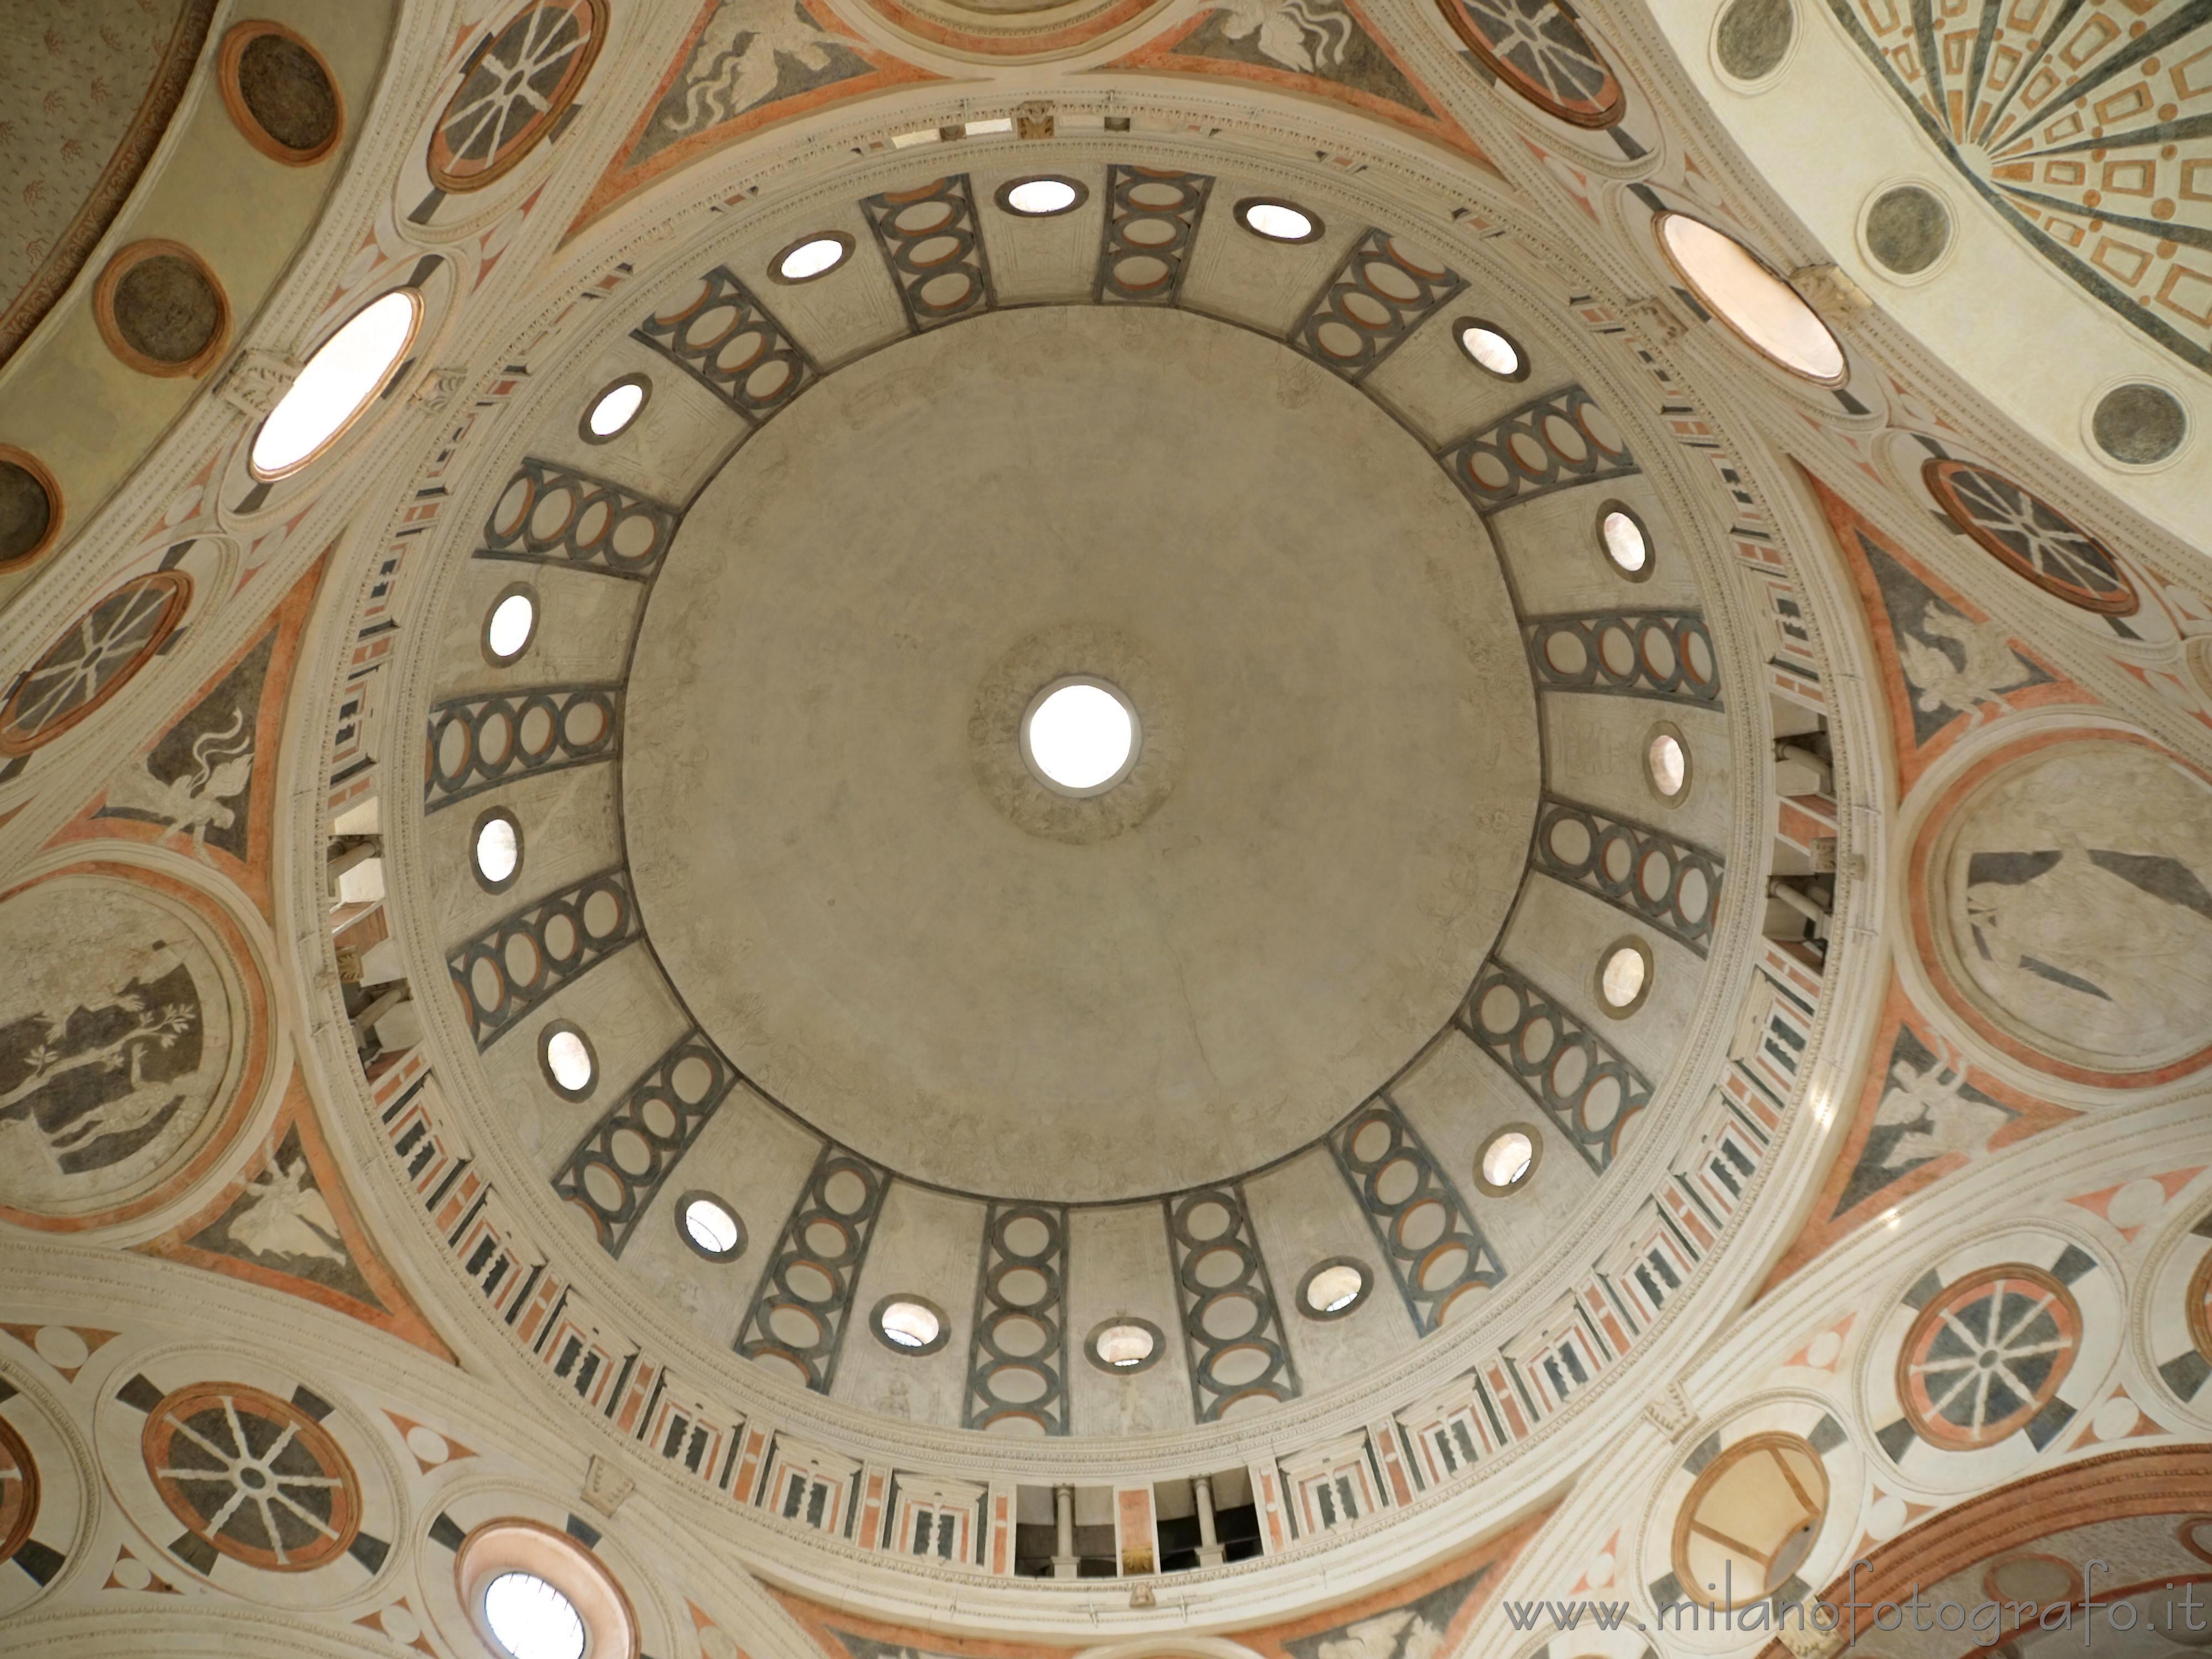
[1670, 765]
[1623, 981]
[339, 381]
[497, 853]
[569, 1060]
[1507, 1158]
[509, 629]
[531, 1619]
[617, 409]
[711, 1227]
[1624, 541]
[810, 259]
[1334, 1289]
[1125, 1345]
[1082, 736]
[1766, 310]
[1042, 195]
[1278, 223]
[1492, 349]
[910, 1325]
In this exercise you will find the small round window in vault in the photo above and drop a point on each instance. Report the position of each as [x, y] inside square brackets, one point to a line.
[1124, 1347]
[1621, 534]
[496, 849]
[812, 257]
[1080, 736]
[570, 1065]
[1279, 221]
[711, 1227]
[1667, 763]
[1491, 348]
[531, 1619]
[1333, 1289]
[1041, 197]
[617, 405]
[1734, 284]
[910, 1324]
[1624, 977]
[1751, 1520]
[511, 626]
[339, 382]
[1506, 1161]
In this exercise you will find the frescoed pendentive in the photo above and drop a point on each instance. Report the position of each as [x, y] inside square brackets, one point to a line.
[128, 1045]
[2063, 894]
[196, 782]
[745, 64]
[1328, 48]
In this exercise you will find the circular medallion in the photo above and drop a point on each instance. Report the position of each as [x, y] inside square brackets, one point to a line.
[515, 90]
[2197, 1301]
[93, 661]
[161, 309]
[2032, 536]
[30, 507]
[1537, 48]
[1985, 1356]
[19, 1491]
[256, 1477]
[2058, 897]
[280, 93]
[123, 1052]
[1750, 1520]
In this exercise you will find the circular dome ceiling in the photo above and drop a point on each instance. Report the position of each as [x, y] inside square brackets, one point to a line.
[875, 908]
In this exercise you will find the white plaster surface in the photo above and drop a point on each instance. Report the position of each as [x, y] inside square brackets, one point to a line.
[862, 930]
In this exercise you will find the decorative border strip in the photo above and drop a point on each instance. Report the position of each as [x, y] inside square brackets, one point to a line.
[838, 1208]
[478, 743]
[624, 1160]
[933, 246]
[1618, 864]
[1372, 304]
[522, 959]
[1585, 1086]
[1436, 1251]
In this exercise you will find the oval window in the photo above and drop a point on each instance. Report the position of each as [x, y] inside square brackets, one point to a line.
[339, 382]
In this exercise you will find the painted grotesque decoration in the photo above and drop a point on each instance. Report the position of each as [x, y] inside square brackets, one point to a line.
[118, 1045]
[2072, 889]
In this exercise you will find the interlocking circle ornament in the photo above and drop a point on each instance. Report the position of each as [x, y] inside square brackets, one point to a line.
[1538, 49]
[514, 90]
[19, 1491]
[254, 1476]
[2032, 536]
[89, 663]
[1987, 1355]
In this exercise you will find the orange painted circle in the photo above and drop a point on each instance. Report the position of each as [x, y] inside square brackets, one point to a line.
[253, 1476]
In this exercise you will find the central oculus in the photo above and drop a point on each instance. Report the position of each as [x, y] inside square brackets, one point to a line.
[1076, 753]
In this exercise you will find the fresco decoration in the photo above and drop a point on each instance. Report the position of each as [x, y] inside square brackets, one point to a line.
[1987, 1355]
[516, 89]
[2032, 537]
[1012, 29]
[103, 76]
[1947, 668]
[288, 1224]
[130, 1049]
[1321, 48]
[202, 787]
[1924, 1114]
[42, 1498]
[1537, 49]
[2062, 899]
[2081, 123]
[252, 1477]
[745, 64]
[95, 658]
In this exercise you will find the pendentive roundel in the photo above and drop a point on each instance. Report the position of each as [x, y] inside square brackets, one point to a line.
[2032, 536]
[255, 1476]
[1538, 49]
[515, 90]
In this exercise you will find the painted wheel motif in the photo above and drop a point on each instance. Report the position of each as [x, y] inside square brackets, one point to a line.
[2032, 536]
[517, 86]
[19, 1491]
[93, 661]
[1537, 48]
[1986, 1356]
[255, 1476]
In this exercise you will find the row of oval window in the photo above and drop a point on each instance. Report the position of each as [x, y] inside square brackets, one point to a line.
[345, 375]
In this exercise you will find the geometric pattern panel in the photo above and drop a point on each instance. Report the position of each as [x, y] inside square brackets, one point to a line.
[1384, 292]
[1585, 1086]
[805, 1302]
[1651, 653]
[731, 343]
[934, 247]
[517, 963]
[1151, 222]
[1669, 884]
[1432, 1244]
[1018, 1356]
[1232, 1330]
[2082, 124]
[1552, 442]
[553, 515]
[624, 1158]
[476, 742]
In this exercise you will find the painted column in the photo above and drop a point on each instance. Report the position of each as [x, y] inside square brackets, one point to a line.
[1063, 1521]
[1210, 1552]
